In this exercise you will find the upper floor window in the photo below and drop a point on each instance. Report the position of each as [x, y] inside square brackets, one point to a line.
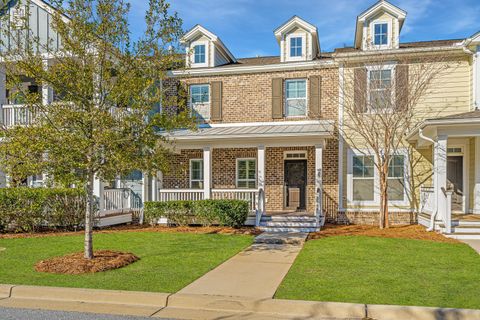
[246, 173]
[296, 97]
[380, 35]
[296, 46]
[199, 53]
[380, 89]
[200, 100]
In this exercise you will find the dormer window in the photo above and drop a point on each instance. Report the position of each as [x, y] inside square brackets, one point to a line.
[199, 53]
[380, 37]
[296, 47]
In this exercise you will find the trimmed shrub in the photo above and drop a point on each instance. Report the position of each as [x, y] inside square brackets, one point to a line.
[29, 209]
[231, 213]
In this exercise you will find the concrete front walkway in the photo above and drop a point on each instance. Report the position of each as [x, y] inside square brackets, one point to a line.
[475, 244]
[254, 273]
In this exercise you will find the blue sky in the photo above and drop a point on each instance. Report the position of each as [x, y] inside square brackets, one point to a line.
[246, 26]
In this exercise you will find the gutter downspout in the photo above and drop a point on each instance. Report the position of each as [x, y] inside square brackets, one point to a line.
[435, 212]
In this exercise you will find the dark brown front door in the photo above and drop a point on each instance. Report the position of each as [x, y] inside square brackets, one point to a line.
[455, 181]
[296, 178]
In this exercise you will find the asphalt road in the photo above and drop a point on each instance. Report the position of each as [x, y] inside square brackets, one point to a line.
[28, 314]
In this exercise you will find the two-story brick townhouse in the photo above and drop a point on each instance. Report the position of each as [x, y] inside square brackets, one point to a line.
[441, 152]
[268, 126]
[266, 130]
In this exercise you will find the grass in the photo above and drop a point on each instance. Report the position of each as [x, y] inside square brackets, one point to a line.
[372, 270]
[169, 261]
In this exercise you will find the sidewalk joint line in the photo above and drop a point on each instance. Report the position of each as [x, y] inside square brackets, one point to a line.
[166, 305]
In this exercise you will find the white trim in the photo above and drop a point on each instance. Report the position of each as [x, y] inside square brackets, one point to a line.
[287, 47]
[246, 180]
[277, 123]
[253, 69]
[304, 152]
[190, 180]
[341, 101]
[476, 189]
[285, 99]
[464, 146]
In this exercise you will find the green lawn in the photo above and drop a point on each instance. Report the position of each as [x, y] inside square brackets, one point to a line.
[385, 271]
[169, 261]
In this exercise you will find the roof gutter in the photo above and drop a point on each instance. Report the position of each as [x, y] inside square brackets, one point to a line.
[365, 54]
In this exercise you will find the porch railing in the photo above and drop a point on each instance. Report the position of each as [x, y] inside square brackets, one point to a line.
[180, 194]
[427, 200]
[238, 194]
[16, 115]
[119, 201]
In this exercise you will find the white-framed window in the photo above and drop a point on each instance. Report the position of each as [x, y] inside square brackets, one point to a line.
[363, 172]
[381, 89]
[199, 53]
[296, 46]
[296, 97]
[363, 179]
[396, 178]
[200, 101]
[380, 34]
[246, 173]
[196, 173]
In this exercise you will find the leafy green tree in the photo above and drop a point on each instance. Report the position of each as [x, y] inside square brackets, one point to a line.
[103, 118]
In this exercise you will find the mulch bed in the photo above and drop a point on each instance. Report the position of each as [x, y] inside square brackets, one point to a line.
[76, 264]
[415, 232]
[137, 228]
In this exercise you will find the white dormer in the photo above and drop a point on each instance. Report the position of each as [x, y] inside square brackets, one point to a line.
[204, 49]
[379, 27]
[298, 40]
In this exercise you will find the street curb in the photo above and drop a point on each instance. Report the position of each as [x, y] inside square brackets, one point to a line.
[5, 291]
[154, 304]
[270, 306]
[386, 312]
[144, 299]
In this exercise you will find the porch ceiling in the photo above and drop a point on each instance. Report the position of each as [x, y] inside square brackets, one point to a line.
[457, 125]
[257, 133]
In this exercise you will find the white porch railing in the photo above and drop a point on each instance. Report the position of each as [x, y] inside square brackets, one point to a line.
[119, 201]
[248, 195]
[16, 115]
[427, 200]
[180, 194]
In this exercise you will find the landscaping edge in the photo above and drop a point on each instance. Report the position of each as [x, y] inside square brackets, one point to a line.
[162, 304]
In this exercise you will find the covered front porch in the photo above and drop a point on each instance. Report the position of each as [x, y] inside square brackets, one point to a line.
[276, 167]
[450, 203]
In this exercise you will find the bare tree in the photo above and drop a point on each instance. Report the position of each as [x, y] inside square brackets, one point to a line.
[382, 92]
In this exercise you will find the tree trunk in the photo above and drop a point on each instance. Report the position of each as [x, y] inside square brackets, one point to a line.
[384, 221]
[89, 214]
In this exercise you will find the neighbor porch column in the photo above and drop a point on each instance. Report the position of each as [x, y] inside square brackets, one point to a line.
[145, 187]
[3, 91]
[207, 172]
[319, 184]
[47, 93]
[476, 189]
[261, 167]
[440, 174]
[98, 190]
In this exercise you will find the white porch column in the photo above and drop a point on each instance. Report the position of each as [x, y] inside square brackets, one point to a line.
[261, 167]
[440, 174]
[476, 188]
[3, 91]
[98, 190]
[47, 93]
[207, 172]
[145, 187]
[319, 184]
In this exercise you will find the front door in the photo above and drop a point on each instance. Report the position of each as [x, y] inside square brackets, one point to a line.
[296, 184]
[455, 181]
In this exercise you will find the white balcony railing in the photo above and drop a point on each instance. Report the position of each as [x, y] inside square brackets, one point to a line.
[117, 201]
[248, 195]
[180, 194]
[16, 115]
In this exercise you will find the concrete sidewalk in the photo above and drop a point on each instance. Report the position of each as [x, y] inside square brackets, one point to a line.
[475, 244]
[254, 273]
